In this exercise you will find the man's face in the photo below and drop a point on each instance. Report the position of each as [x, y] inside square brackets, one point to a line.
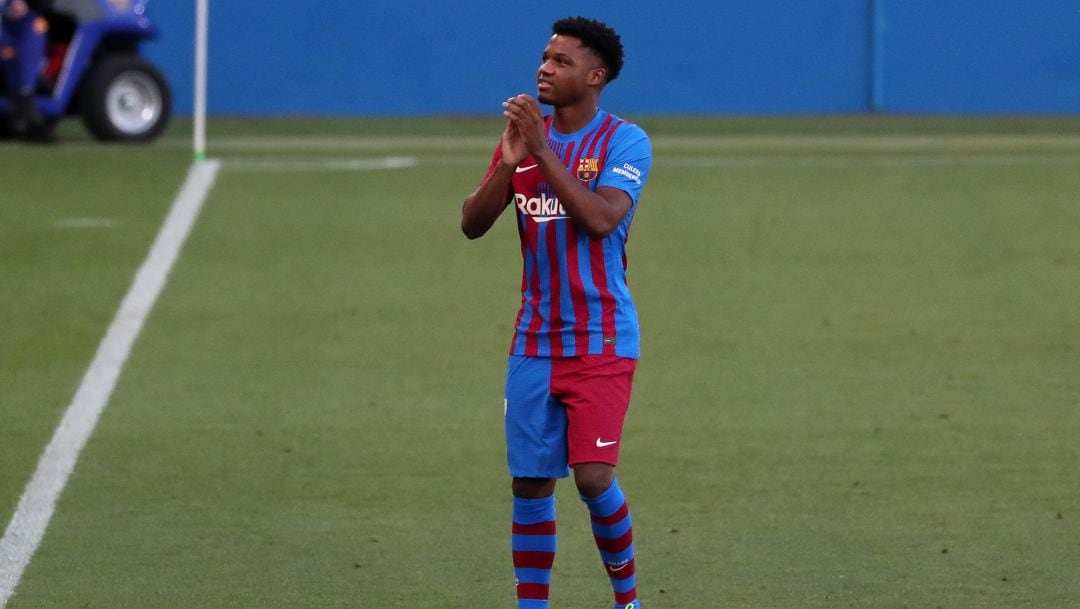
[567, 71]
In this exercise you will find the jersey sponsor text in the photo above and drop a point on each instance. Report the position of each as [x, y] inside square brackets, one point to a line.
[541, 209]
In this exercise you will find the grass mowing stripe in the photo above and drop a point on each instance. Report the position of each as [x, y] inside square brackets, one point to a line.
[661, 141]
[36, 506]
[739, 161]
[972, 159]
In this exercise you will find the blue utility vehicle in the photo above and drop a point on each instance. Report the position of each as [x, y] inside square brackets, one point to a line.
[93, 69]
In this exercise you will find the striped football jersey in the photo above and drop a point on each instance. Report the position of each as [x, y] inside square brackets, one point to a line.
[574, 294]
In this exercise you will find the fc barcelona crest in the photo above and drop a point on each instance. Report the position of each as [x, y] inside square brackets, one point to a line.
[588, 169]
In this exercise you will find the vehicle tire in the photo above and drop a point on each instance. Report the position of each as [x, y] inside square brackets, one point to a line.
[124, 98]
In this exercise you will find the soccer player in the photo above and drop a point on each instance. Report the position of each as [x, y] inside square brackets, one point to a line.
[573, 179]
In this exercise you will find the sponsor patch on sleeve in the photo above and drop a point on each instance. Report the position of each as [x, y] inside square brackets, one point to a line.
[628, 171]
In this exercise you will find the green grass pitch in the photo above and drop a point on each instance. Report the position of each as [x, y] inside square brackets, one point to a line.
[860, 384]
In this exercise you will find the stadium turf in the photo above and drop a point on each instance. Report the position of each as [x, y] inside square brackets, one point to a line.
[859, 385]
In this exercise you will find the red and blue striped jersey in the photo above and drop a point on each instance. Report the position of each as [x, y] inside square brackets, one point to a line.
[574, 294]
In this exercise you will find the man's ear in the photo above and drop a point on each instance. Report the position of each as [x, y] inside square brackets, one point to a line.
[598, 76]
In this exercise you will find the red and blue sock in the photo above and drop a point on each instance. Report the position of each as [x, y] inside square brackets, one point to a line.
[533, 543]
[614, 536]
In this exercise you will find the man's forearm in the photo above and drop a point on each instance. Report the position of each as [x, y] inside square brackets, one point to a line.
[484, 206]
[594, 213]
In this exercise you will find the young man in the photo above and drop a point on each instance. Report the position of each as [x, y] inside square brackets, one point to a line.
[574, 178]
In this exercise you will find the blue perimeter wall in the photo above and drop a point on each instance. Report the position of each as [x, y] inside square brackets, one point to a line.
[698, 57]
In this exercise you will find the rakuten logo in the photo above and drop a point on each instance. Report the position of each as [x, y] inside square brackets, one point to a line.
[540, 209]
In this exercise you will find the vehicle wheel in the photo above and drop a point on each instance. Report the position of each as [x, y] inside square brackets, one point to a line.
[125, 99]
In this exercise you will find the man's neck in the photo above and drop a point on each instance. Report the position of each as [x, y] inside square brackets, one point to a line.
[571, 119]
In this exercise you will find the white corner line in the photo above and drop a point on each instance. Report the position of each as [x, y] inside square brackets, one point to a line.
[38, 502]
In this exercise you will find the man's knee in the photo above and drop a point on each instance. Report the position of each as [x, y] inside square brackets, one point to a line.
[592, 479]
[533, 488]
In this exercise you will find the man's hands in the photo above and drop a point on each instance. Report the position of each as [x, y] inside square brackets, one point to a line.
[513, 148]
[525, 133]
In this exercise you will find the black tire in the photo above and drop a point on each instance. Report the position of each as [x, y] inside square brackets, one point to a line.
[124, 98]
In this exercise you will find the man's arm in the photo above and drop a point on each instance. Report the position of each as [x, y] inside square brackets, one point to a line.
[597, 213]
[483, 207]
[487, 202]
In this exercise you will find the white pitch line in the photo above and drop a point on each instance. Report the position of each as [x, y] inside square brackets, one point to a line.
[38, 502]
[307, 165]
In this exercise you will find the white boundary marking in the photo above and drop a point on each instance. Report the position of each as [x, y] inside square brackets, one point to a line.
[295, 165]
[38, 502]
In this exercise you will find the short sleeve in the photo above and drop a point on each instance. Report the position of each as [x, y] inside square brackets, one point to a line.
[628, 161]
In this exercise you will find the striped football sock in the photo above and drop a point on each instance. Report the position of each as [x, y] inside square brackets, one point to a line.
[533, 542]
[615, 538]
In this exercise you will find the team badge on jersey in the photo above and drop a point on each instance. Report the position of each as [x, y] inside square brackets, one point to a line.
[588, 169]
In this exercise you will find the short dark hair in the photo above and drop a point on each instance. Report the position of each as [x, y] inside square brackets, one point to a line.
[597, 37]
